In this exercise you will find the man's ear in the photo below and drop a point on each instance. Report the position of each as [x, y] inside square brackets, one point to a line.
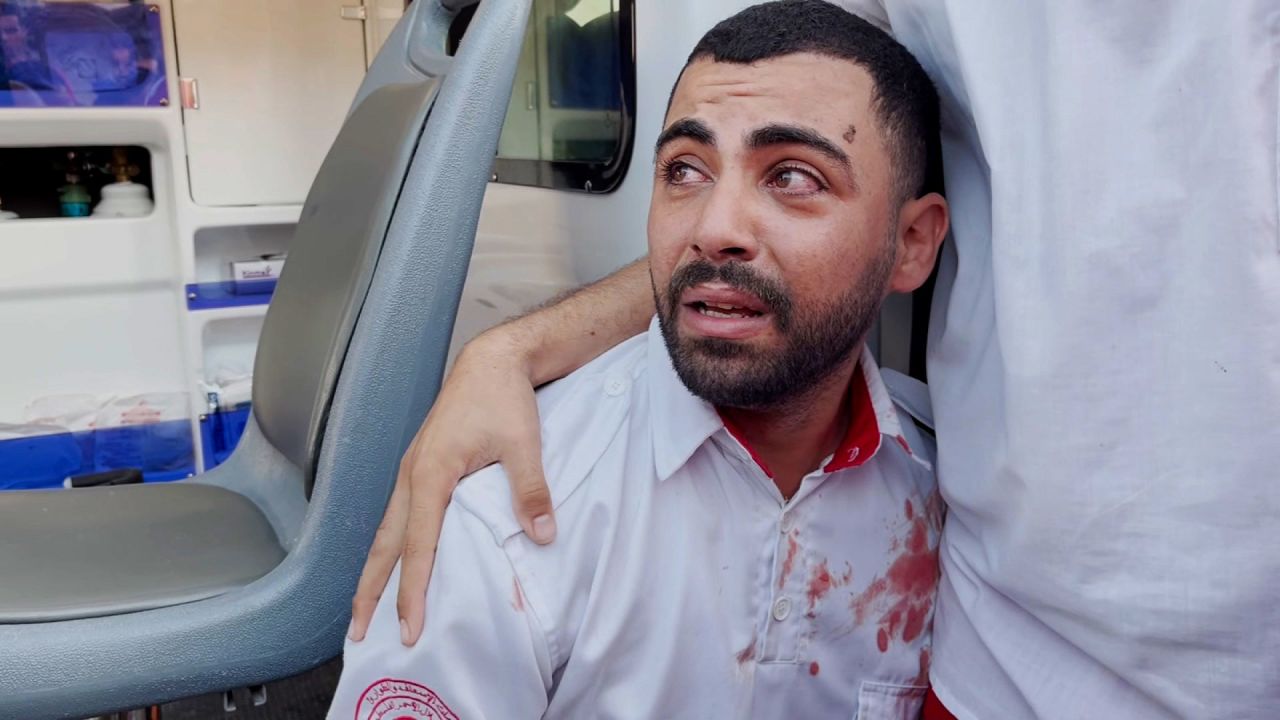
[922, 223]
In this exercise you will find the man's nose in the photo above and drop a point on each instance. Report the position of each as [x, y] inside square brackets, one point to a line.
[724, 229]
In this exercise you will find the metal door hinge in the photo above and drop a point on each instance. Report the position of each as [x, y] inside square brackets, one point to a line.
[354, 12]
[189, 92]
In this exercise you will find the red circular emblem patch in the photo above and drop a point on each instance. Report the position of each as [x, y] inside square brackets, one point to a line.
[391, 699]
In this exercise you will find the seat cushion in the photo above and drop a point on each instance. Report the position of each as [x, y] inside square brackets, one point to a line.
[88, 552]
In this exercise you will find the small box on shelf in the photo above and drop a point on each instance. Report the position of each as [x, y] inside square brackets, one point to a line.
[237, 266]
[250, 277]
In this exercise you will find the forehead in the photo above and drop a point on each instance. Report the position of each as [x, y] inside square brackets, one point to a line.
[819, 91]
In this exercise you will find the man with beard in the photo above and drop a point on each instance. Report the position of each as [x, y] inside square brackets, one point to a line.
[747, 523]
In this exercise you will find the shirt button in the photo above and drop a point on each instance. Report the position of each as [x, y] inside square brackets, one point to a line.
[614, 387]
[782, 609]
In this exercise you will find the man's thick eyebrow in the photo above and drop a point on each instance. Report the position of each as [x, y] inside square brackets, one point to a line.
[691, 128]
[782, 134]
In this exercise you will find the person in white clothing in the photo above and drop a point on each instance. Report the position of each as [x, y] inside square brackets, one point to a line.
[1103, 361]
[748, 524]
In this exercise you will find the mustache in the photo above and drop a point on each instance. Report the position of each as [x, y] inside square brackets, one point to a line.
[738, 275]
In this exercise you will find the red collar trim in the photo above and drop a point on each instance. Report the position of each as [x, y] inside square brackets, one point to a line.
[737, 435]
[861, 441]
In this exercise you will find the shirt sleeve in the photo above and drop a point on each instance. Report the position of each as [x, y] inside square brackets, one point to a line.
[873, 11]
[481, 654]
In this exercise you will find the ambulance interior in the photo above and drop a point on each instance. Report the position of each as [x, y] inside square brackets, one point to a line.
[239, 243]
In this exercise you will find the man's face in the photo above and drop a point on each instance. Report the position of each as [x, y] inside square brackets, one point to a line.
[13, 37]
[772, 225]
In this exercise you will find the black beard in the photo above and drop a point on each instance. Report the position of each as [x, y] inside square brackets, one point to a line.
[817, 340]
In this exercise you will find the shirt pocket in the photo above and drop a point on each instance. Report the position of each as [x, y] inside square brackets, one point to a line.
[885, 701]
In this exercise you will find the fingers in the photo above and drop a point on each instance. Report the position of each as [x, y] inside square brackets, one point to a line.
[529, 494]
[382, 558]
[433, 485]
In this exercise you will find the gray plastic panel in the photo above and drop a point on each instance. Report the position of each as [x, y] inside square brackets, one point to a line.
[275, 485]
[413, 49]
[331, 262]
[294, 618]
[128, 548]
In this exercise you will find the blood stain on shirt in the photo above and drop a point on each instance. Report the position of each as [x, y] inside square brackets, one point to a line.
[903, 596]
[814, 669]
[903, 442]
[821, 582]
[925, 658]
[914, 626]
[747, 654]
[792, 548]
[862, 604]
[517, 597]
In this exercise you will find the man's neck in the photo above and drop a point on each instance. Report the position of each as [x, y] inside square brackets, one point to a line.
[793, 439]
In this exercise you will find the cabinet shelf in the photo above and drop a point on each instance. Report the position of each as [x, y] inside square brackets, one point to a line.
[226, 294]
[237, 215]
[44, 255]
[63, 224]
[37, 127]
[200, 318]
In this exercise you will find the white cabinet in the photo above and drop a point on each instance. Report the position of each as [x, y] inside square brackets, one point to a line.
[273, 79]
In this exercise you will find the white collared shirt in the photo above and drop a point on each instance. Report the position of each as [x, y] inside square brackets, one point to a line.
[680, 584]
[1104, 355]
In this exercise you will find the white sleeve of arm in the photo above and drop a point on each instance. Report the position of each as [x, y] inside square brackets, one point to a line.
[873, 11]
[481, 654]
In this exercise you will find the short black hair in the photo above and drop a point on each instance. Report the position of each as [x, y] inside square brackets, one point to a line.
[904, 98]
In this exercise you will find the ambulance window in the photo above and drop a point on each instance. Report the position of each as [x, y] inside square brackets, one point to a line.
[570, 118]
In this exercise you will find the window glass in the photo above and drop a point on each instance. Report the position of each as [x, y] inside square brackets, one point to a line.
[80, 54]
[568, 122]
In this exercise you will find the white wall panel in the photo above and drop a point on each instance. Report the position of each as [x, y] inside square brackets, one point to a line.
[114, 339]
[275, 80]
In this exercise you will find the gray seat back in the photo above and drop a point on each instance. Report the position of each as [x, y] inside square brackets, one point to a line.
[331, 262]
[387, 364]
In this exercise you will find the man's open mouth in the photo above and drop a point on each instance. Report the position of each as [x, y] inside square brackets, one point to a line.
[720, 310]
[723, 310]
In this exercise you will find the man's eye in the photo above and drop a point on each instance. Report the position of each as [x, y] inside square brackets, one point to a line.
[795, 181]
[678, 173]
